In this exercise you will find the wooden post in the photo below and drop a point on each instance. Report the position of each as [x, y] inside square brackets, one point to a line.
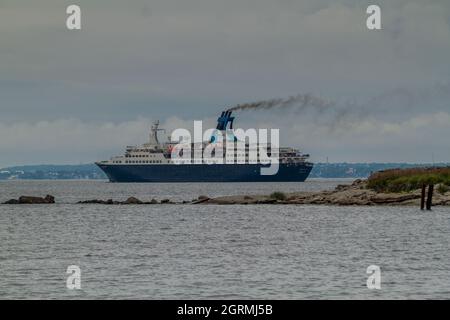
[430, 196]
[422, 199]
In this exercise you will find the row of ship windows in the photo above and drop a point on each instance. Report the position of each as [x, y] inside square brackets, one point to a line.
[246, 155]
[138, 155]
[139, 161]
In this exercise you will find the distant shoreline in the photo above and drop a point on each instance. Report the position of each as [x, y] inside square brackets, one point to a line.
[107, 181]
[341, 170]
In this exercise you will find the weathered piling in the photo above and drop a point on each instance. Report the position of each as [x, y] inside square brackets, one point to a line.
[430, 196]
[422, 198]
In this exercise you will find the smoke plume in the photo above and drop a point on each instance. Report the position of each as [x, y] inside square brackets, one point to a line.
[301, 102]
[394, 104]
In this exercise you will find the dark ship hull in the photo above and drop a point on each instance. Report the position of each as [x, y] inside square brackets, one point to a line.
[297, 172]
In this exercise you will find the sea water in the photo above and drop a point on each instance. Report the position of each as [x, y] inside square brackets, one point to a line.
[212, 251]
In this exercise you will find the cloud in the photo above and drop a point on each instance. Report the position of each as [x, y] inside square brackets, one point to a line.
[189, 57]
[91, 92]
[72, 141]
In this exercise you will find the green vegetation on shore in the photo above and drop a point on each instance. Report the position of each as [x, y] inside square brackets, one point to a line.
[278, 196]
[404, 180]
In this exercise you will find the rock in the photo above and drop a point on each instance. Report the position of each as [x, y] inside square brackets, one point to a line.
[355, 194]
[224, 201]
[94, 201]
[133, 200]
[130, 200]
[12, 201]
[342, 187]
[32, 200]
[200, 199]
[50, 199]
[266, 201]
[153, 201]
[97, 201]
[165, 201]
[388, 198]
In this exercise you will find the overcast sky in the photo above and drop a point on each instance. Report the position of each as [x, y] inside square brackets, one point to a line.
[81, 96]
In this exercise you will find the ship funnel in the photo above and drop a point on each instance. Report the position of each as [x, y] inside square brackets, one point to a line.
[224, 119]
[231, 119]
[222, 123]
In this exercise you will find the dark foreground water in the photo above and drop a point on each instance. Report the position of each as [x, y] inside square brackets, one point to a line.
[215, 252]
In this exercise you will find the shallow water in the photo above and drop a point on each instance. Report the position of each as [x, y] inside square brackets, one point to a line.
[70, 191]
[214, 252]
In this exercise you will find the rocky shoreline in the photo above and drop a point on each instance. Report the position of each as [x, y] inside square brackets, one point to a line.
[130, 200]
[48, 199]
[356, 194]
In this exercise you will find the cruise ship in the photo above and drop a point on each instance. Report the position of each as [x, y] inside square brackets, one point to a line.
[154, 161]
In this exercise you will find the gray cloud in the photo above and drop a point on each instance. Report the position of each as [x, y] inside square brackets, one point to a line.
[192, 58]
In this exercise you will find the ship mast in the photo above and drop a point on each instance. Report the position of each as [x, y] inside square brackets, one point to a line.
[154, 133]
